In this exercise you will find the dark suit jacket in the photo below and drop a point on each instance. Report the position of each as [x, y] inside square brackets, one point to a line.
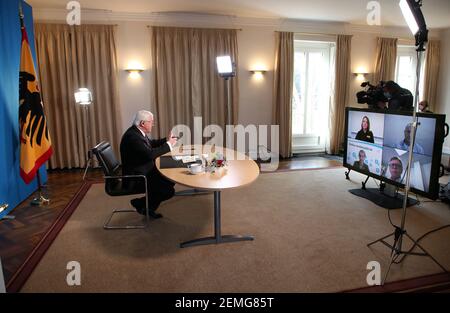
[139, 153]
[365, 167]
[361, 135]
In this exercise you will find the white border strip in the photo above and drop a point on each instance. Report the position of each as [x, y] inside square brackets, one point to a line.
[2, 280]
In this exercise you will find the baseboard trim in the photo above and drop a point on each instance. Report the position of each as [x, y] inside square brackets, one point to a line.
[429, 283]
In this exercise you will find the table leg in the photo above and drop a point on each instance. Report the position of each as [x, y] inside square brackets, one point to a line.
[218, 237]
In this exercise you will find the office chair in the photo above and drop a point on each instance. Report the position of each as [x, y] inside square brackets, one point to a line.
[114, 183]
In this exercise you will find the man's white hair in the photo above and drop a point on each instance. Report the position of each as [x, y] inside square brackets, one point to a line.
[142, 115]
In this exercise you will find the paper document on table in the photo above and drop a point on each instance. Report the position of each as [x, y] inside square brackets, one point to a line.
[186, 158]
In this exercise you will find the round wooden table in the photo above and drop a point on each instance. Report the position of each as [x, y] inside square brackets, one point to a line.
[240, 171]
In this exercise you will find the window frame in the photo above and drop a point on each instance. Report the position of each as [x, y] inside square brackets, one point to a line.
[310, 142]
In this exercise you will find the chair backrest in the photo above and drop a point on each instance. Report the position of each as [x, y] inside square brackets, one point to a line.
[106, 158]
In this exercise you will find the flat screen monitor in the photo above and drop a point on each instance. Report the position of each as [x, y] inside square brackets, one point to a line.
[377, 144]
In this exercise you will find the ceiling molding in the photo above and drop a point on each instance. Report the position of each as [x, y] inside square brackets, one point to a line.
[225, 21]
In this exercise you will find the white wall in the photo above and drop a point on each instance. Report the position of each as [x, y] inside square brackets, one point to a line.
[444, 82]
[133, 45]
[256, 50]
[363, 56]
[256, 45]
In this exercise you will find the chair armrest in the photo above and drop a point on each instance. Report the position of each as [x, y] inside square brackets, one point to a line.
[128, 176]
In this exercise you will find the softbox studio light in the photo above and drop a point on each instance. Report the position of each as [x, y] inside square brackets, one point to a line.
[225, 66]
[414, 18]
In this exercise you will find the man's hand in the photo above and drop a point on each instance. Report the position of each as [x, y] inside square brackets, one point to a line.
[172, 139]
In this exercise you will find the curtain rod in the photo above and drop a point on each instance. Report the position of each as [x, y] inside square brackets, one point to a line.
[376, 35]
[314, 34]
[55, 22]
[239, 29]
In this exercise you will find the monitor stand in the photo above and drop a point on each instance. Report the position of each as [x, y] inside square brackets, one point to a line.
[386, 196]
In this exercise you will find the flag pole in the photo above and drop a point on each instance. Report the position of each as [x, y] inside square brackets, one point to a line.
[21, 14]
[40, 200]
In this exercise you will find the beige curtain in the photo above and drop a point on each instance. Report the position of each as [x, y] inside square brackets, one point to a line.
[70, 57]
[282, 90]
[185, 81]
[341, 92]
[431, 73]
[385, 59]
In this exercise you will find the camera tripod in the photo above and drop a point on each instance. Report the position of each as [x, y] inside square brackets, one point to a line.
[400, 231]
[396, 249]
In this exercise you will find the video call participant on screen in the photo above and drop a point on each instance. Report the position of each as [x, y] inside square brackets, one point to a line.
[360, 164]
[395, 169]
[405, 143]
[364, 134]
[398, 98]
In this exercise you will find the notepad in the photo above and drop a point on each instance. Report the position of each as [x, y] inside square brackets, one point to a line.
[178, 161]
[186, 158]
[190, 158]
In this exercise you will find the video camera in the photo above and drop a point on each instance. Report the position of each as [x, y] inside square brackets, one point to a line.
[372, 95]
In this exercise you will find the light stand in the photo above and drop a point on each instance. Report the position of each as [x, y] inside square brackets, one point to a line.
[83, 97]
[416, 22]
[226, 70]
[3, 207]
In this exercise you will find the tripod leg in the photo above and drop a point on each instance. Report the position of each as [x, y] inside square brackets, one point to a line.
[426, 252]
[393, 256]
[88, 164]
[381, 239]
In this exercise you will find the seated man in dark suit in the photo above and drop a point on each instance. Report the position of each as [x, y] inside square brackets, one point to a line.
[138, 154]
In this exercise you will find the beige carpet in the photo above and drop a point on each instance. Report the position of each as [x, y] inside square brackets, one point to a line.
[310, 236]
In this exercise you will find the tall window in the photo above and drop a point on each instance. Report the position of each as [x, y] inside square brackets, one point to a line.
[406, 67]
[311, 98]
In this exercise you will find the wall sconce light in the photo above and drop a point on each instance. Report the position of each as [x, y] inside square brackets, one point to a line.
[258, 74]
[258, 71]
[360, 76]
[134, 72]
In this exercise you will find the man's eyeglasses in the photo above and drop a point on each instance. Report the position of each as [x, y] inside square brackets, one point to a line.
[395, 165]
